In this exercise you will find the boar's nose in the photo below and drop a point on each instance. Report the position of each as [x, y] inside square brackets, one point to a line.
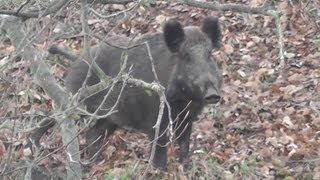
[211, 97]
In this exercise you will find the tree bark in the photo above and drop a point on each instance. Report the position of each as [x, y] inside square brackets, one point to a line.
[13, 28]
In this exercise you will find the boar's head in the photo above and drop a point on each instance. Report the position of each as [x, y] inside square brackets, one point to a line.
[195, 75]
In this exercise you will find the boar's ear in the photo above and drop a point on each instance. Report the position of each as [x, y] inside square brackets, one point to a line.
[173, 35]
[211, 28]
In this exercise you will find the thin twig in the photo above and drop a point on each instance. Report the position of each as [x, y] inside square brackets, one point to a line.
[22, 6]
[282, 62]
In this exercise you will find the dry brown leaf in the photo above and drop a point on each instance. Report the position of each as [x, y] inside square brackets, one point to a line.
[269, 133]
[241, 73]
[247, 58]
[250, 44]
[118, 7]
[286, 121]
[296, 155]
[228, 48]
[296, 77]
[160, 19]
[110, 151]
[274, 142]
[277, 162]
[291, 89]
[255, 2]
[57, 71]
[94, 21]
[306, 111]
[262, 72]
[285, 139]
[40, 47]
[275, 89]
[290, 55]
[252, 84]
[27, 152]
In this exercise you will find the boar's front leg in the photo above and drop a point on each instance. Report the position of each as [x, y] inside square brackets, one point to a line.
[160, 155]
[183, 133]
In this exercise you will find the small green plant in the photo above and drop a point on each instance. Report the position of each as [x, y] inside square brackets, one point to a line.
[245, 166]
[123, 174]
[147, 3]
[213, 163]
[245, 169]
[252, 160]
[268, 78]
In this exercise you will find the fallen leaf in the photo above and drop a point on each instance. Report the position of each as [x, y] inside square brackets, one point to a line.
[160, 19]
[228, 48]
[241, 73]
[291, 89]
[277, 162]
[287, 122]
[269, 133]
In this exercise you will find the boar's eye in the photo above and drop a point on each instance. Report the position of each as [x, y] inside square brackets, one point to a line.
[183, 87]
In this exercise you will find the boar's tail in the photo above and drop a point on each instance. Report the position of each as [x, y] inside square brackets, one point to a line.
[55, 49]
[211, 27]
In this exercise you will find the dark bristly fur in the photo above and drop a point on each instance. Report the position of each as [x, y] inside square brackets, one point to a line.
[182, 59]
[173, 35]
[211, 27]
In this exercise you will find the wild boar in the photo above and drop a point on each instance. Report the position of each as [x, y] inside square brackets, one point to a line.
[183, 63]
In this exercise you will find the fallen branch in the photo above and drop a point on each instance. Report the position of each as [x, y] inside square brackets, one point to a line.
[110, 1]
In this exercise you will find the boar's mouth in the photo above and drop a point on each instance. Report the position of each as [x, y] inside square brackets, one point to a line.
[211, 99]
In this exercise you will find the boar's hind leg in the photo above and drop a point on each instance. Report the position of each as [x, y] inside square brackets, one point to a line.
[96, 134]
[34, 140]
[183, 133]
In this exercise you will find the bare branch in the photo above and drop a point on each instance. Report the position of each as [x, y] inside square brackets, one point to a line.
[85, 29]
[52, 8]
[13, 28]
[110, 1]
[280, 42]
[216, 6]
[23, 5]
[157, 129]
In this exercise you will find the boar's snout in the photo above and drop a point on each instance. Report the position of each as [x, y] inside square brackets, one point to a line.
[211, 97]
